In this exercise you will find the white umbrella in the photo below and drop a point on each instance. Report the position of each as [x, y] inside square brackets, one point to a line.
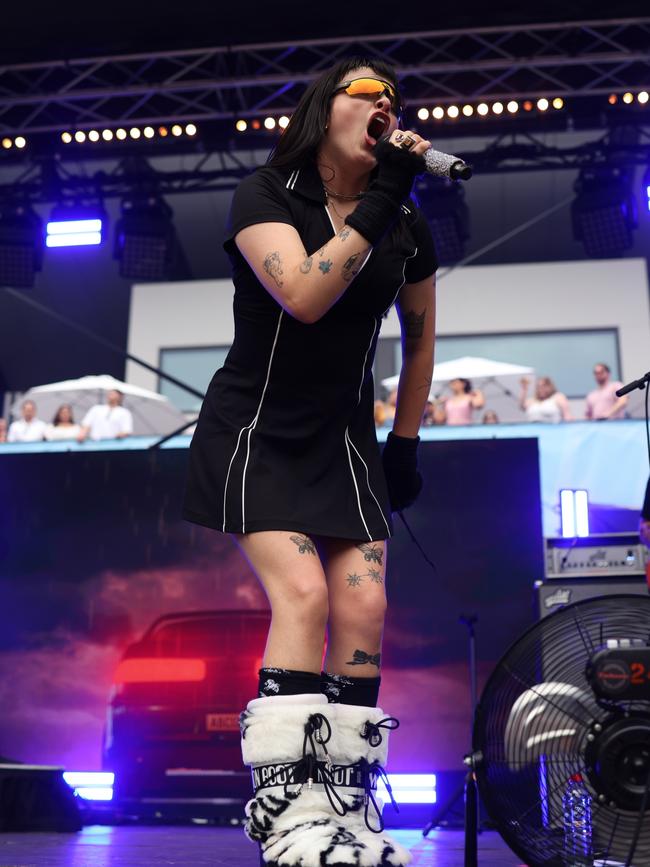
[497, 379]
[152, 413]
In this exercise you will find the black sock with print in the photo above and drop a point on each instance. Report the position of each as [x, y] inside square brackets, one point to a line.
[285, 681]
[344, 689]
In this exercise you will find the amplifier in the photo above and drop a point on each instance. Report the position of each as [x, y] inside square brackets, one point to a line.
[598, 556]
[552, 595]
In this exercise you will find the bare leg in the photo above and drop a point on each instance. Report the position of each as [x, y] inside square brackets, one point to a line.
[291, 572]
[357, 604]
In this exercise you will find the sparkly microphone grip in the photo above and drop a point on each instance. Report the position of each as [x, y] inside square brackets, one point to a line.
[446, 166]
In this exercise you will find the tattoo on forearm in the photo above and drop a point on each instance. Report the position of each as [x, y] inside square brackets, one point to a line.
[305, 544]
[427, 384]
[414, 324]
[349, 271]
[345, 233]
[325, 266]
[305, 266]
[372, 553]
[273, 267]
[360, 657]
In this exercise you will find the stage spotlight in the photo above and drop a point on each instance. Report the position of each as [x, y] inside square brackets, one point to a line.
[7, 143]
[542, 104]
[177, 130]
[628, 98]
[497, 107]
[443, 204]
[453, 111]
[241, 126]
[134, 132]
[642, 97]
[255, 124]
[93, 135]
[107, 135]
[558, 102]
[145, 239]
[148, 132]
[190, 129]
[438, 113]
[21, 245]
[283, 122]
[423, 113]
[482, 108]
[468, 110]
[163, 131]
[646, 187]
[604, 211]
[612, 99]
[120, 134]
[513, 106]
[66, 138]
[269, 122]
[80, 136]
[74, 226]
[528, 106]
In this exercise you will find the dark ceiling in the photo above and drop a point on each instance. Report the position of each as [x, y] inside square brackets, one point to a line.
[47, 30]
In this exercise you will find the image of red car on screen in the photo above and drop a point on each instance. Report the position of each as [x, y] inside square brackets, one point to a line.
[172, 727]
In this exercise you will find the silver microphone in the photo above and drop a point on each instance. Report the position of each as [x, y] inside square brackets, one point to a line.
[443, 165]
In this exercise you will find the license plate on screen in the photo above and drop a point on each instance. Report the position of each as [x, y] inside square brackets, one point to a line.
[222, 722]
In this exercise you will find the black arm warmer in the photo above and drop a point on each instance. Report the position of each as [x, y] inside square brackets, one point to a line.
[400, 461]
[380, 206]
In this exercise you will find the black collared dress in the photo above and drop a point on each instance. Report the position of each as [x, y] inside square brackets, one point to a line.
[286, 436]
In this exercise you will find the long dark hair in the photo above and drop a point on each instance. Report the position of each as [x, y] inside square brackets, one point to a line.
[301, 139]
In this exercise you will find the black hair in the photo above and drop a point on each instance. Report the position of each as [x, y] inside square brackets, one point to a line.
[57, 418]
[467, 385]
[602, 364]
[299, 143]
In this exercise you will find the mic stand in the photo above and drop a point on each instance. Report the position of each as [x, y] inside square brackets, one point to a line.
[636, 383]
[467, 789]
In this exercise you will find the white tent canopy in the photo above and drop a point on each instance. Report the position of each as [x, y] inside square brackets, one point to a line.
[152, 412]
[498, 380]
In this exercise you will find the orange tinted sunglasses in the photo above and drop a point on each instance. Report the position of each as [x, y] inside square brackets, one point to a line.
[368, 87]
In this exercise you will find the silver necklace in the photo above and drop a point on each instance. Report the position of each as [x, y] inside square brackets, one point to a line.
[342, 196]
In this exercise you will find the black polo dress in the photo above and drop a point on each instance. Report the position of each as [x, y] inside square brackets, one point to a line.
[286, 437]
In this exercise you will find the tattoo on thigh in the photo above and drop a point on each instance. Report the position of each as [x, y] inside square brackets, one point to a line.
[305, 544]
[372, 553]
[360, 657]
[355, 580]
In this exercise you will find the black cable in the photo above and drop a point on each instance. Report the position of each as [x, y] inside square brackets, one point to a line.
[417, 544]
[647, 420]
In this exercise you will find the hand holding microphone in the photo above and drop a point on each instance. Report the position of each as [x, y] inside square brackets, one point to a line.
[400, 158]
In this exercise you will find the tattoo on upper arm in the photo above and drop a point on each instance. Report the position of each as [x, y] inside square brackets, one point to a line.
[360, 657]
[349, 271]
[305, 544]
[273, 267]
[325, 266]
[413, 324]
[345, 233]
[305, 266]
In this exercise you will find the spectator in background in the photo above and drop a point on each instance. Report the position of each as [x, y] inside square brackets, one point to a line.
[434, 414]
[380, 413]
[490, 417]
[549, 405]
[3, 430]
[63, 426]
[107, 421]
[602, 402]
[459, 408]
[29, 428]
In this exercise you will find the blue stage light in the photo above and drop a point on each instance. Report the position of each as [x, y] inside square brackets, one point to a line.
[574, 509]
[410, 788]
[74, 233]
[91, 785]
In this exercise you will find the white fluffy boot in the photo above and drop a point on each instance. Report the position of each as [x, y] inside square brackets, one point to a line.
[312, 772]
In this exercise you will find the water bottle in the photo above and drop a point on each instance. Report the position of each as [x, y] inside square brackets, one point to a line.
[576, 807]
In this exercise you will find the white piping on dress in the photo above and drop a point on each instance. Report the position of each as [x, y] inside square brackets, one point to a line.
[354, 481]
[250, 428]
[293, 177]
[381, 512]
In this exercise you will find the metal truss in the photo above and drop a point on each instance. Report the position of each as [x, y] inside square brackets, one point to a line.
[577, 59]
[47, 181]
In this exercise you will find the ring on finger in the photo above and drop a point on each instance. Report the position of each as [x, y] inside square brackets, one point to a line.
[408, 143]
[399, 136]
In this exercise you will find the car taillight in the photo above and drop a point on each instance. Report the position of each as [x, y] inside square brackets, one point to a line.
[156, 670]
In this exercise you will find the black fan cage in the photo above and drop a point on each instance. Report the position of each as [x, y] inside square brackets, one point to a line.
[538, 724]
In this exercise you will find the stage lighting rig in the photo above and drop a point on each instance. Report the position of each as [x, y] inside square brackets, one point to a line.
[74, 225]
[604, 211]
[145, 238]
[443, 204]
[21, 245]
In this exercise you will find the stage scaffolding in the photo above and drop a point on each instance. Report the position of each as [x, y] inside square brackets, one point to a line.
[576, 59]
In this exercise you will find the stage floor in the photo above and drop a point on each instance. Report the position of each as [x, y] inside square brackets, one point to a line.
[130, 846]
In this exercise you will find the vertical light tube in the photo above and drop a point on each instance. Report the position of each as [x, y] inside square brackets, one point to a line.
[567, 512]
[581, 502]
